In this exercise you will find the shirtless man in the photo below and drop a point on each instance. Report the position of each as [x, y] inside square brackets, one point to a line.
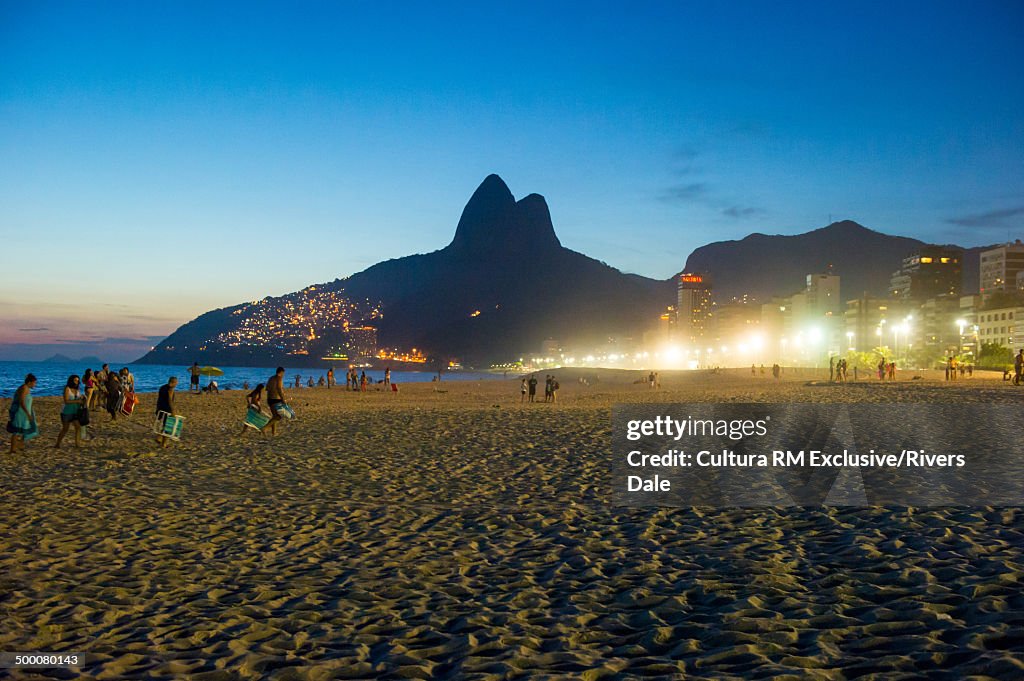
[193, 372]
[275, 396]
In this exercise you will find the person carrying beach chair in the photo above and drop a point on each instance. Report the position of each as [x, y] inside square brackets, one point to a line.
[279, 409]
[168, 425]
[254, 416]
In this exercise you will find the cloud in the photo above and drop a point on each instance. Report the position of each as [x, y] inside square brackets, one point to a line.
[40, 328]
[993, 218]
[147, 342]
[691, 191]
[742, 212]
[685, 154]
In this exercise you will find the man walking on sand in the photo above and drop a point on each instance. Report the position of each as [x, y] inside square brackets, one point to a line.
[532, 383]
[275, 398]
[165, 403]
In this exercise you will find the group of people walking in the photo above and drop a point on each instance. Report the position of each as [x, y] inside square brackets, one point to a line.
[112, 389]
[115, 392]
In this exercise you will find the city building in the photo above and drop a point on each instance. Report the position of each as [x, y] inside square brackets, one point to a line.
[736, 322]
[1002, 326]
[999, 268]
[865, 321]
[815, 317]
[938, 322]
[932, 271]
[822, 295]
[693, 309]
[662, 332]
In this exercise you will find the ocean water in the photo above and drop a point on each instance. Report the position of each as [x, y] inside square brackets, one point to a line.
[53, 376]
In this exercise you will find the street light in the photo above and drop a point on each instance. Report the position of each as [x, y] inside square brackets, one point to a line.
[849, 339]
[961, 324]
[905, 330]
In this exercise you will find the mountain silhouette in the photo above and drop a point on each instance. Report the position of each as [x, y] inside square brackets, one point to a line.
[777, 265]
[500, 288]
[506, 261]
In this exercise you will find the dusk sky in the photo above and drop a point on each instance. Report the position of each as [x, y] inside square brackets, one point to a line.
[158, 160]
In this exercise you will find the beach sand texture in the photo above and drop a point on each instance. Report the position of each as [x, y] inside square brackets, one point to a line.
[460, 534]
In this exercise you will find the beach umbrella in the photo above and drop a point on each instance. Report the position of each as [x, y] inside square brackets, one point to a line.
[210, 371]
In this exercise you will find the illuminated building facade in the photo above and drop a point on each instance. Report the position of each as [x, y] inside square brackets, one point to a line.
[999, 268]
[931, 272]
[693, 307]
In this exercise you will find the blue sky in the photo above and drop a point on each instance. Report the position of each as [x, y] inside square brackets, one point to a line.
[163, 159]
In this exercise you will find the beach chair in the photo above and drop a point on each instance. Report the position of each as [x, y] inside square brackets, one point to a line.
[128, 402]
[284, 411]
[256, 419]
[168, 426]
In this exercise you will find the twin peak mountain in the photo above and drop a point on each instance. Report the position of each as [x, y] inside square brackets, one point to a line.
[505, 283]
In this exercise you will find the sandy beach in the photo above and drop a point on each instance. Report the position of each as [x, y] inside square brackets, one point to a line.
[448, 531]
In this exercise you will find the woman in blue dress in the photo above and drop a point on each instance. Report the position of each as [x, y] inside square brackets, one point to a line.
[21, 422]
[71, 412]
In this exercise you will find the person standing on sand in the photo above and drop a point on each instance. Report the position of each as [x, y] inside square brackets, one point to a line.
[21, 423]
[362, 382]
[298, 380]
[89, 383]
[101, 383]
[165, 403]
[275, 397]
[193, 383]
[522, 391]
[74, 401]
[113, 394]
[387, 376]
[330, 377]
[1018, 366]
[127, 380]
[554, 389]
[532, 383]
